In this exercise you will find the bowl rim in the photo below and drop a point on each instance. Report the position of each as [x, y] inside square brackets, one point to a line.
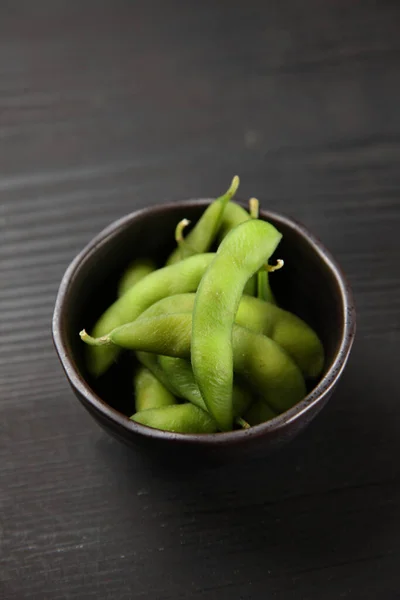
[317, 395]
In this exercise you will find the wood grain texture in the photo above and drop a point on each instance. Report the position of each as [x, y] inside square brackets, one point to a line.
[106, 107]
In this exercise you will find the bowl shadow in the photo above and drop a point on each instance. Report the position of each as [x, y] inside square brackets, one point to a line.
[328, 498]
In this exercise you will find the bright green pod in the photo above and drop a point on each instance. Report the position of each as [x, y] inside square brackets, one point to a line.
[150, 361]
[175, 279]
[203, 233]
[180, 418]
[265, 365]
[233, 216]
[136, 271]
[240, 255]
[149, 391]
[180, 373]
[286, 329]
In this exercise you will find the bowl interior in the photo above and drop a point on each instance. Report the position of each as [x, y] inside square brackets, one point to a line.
[306, 285]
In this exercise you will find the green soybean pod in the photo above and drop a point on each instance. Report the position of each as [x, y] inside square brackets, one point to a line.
[186, 250]
[179, 372]
[150, 361]
[289, 331]
[233, 216]
[149, 391]
[179, 418]
[240, 255]
[182, 277]
[202, 235]
[265, 365]
[177, 303]
[293, 334]
[136, 271]
[271, 372]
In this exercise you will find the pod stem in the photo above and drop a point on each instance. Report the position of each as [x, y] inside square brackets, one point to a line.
[231, 191]
[179, 230]
[222, 201]
[242, 423]
[272, 268]
[185, 249]
[91, 341]
[254, 208]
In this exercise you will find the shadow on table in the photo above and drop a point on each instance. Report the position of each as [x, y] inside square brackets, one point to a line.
[328, 496]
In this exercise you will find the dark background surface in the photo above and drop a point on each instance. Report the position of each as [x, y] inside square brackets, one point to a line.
[110, 106]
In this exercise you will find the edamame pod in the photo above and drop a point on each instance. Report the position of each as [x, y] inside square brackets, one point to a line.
[240, 255]
[286, 329]
[180, 418]
[234, 215]
[182, 277]
[202, 235]
[264, 364]
[136, 271]
[179, 372]
[150, 361]
[149, 391]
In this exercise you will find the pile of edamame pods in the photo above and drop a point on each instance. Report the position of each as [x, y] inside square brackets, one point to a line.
[215, 352]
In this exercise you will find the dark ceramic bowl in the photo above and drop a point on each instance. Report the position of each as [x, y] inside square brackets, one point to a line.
[310, 285]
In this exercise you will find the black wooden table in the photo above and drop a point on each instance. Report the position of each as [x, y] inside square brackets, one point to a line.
[109, 106]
